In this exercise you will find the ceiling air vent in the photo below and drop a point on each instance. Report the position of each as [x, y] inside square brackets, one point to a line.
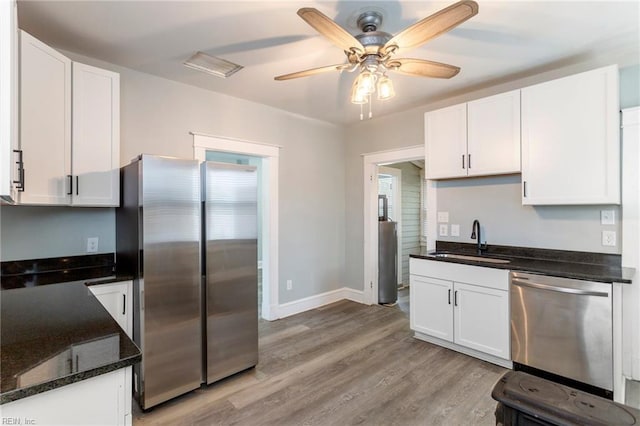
[212, 65]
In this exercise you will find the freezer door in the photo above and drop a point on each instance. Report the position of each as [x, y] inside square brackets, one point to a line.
[231, 268]
[170, 285]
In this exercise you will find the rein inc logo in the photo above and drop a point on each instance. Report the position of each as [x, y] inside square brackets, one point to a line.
[17, 421]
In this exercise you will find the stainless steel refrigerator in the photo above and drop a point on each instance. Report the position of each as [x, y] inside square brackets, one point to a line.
[231, 268]
[169, 227]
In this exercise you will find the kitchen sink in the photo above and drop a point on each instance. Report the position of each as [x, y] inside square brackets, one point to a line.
[470, 257]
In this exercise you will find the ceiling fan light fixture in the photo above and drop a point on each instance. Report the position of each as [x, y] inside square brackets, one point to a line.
[385, 88]
[358, 96]
[212, 65]
[366, 82]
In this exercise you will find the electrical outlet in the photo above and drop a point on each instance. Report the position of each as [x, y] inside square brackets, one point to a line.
[444, 230]
[607, 217]
[289, 284]
[609, 238]
[455, 230]
[92, 245]
[443, 217]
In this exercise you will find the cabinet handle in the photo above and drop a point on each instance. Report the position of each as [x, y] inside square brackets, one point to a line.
[20, 163]
[124, 304]
[455, 298]
[449, 297]
[77, 363]
[77, 185]
[469, 162]
[524, 189]
[70, 185]
[463, 161]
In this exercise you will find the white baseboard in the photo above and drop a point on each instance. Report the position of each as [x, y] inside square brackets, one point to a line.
[318, 300]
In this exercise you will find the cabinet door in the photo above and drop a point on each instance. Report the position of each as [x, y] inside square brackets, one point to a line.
[431, 306]
[570, 140]
[45, 123]
[99, 400]
[445, 134]
[9, 98]
[493, 135]
[96, 136]
[481, 319]
[116, 298]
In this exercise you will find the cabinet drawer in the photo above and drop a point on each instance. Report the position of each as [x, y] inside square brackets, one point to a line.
[487, 277]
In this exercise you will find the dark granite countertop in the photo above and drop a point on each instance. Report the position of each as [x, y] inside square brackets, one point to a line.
[560, 263]
[54, 270]
[54, 335]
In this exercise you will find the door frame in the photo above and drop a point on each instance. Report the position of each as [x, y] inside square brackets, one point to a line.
[396, 175]
[270, 155]
[370, 211]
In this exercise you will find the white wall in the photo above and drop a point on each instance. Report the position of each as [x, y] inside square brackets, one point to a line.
[156, 118]
[496, 203]
[406, 129]
[30, 232]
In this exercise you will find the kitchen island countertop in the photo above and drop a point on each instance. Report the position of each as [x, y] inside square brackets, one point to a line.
[54, 335]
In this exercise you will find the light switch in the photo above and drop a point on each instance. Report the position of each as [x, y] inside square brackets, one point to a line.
[607, 217]
[443, 217]
[444, 230]
[455, 230]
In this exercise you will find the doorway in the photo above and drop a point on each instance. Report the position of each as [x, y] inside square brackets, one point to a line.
[267, 157]
[402, 184]
[372, 163]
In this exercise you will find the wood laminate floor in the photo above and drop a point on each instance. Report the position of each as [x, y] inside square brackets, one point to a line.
[342, 364]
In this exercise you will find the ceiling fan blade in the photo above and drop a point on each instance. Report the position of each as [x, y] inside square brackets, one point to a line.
[312, 71]
[422, 68]
[432, 26]
[328, 28]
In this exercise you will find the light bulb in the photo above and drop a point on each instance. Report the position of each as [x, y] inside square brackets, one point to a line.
[366, 82]
[385, 88]
[358, 96]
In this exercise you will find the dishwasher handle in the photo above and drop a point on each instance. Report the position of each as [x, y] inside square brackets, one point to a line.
[524, 283]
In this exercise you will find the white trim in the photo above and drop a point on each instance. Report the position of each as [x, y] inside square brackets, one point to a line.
[619, 381]
[318, 300]
[370, 212]
[206, 135]
[270, 233]
[467, 351]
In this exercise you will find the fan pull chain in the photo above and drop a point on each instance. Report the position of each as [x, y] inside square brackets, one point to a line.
[370, 112]
[361, 114]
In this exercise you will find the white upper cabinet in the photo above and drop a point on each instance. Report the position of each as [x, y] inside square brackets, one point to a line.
[570, 140]
[63, 164]
[45, 123]
[8, 100]
[96, 136]
[493, 135]
[478, 138]
[446, 142]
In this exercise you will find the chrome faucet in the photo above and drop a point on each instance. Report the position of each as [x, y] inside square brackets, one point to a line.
[476, 225]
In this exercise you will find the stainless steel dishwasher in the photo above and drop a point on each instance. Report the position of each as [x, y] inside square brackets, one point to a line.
[564, 327]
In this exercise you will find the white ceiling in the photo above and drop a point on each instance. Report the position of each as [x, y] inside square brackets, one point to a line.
[505, 41]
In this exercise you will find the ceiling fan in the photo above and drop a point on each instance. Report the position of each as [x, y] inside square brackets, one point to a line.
[373, 51]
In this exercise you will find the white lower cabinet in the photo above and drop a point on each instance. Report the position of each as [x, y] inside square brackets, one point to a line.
[435, 315]
[100, 400]
[463, 307]
[117, 299]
